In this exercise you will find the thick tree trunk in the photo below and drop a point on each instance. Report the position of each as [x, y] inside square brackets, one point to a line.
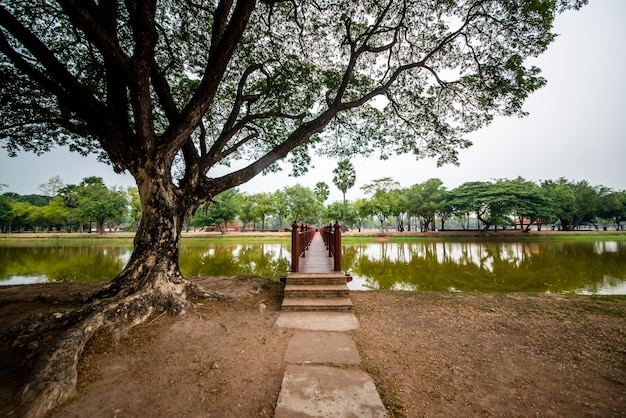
[151, 282]
[156, 244]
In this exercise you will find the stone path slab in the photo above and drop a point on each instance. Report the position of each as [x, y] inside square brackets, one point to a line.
[322, 348]
[329, 392]
[323, 376]
[318, 321]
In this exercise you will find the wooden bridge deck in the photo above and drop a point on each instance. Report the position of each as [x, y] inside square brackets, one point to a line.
[316, 286]
[316, 259]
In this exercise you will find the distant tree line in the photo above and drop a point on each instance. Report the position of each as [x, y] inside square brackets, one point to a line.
[558, 204]
[75, 207]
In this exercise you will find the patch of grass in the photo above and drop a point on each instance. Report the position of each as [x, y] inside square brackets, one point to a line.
[66, 240]
[410, 239]
[580, 237]
[236, 239]
[429, 239]
[357, 239]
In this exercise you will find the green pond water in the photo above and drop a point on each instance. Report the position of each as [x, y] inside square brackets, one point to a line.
[558, 267]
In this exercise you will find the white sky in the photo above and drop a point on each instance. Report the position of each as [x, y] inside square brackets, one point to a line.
[576, 128]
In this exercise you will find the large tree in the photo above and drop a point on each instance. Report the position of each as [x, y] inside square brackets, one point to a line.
[194, 98]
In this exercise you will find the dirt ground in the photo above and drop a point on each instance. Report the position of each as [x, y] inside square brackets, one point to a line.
[430, 354]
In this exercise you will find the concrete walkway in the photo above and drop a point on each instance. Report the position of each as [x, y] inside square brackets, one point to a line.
[323, 377]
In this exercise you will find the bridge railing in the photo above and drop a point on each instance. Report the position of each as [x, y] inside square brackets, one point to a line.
[301, 237]
[331, 234]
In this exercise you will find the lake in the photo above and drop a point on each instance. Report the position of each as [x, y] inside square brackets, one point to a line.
[559, 267]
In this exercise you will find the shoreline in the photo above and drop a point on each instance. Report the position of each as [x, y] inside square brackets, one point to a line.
[469, 235]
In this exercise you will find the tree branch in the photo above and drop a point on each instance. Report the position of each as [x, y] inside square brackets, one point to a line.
[57, 80]
[92, 21]
[216, 65]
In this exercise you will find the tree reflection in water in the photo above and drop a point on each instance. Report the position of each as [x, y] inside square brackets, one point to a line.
[585, 267]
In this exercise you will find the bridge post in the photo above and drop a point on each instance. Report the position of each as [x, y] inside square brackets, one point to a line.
[331, 237]
[304, 231]
[295, 248]
[337, 252]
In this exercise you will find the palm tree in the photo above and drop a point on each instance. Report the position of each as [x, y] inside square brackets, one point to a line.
[344, 178]
[322, 191]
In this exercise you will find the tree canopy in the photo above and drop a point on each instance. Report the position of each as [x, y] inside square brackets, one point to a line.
[147, 81]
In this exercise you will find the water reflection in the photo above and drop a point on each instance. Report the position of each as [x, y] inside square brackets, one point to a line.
[215, 259]
[61, 263]
[591, 267]
[75, 263]
[582, 267]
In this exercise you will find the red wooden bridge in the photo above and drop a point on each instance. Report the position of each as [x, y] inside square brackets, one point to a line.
[316, 281]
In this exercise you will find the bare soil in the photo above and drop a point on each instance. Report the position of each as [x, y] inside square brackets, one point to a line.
[430, 354]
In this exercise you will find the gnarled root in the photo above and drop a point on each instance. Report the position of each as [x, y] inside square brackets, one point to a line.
[55, 373]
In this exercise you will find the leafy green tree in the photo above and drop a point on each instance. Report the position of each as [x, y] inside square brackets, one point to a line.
[263, 207]
[574, 202]
[280, 203]
[380, 202]
[613, 207]
[333, 212]
[363, 210]
[6, 214]
[344, 178]
[70, 195]
[398, 207]
[425, 201]
[588, 201]
[34, 199]
[381, 207]
[529, 202]
[170, 90]
[36, 218]
[384, 184]
[473, 197]
[247, 216]
[445, 210]
[304, 206]
[56, 213]
[95, 202]
[224, 208]
[22, 212]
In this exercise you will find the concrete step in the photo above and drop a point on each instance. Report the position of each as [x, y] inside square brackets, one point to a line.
[317, 291]
[326, 391]
[317, 304]
[315, 278]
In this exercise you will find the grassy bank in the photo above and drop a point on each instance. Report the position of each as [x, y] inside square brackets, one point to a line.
[475, 235]
[348, 237]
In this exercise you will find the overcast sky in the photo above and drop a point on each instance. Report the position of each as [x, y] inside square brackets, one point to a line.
[576, 127]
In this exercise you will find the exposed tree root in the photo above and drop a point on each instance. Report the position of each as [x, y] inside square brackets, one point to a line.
[56, 340]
